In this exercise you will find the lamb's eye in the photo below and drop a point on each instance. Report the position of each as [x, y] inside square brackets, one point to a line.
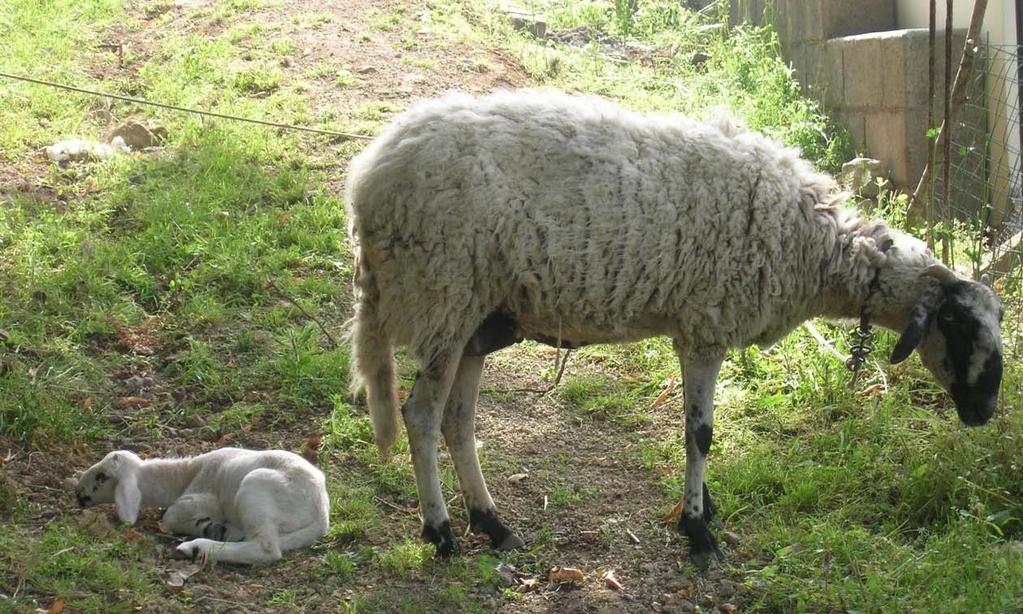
[101, 477]
[948, 316]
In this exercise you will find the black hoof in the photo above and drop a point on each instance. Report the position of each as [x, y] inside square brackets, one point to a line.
[443, 538]
[703, 560]
[501, 537]
[215, 531]
[703, 550]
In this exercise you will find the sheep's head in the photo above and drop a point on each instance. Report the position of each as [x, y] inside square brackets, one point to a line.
[98, 483]
[955, 327]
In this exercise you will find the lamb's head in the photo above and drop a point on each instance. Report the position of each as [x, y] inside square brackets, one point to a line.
[955, 327]
[98, 483]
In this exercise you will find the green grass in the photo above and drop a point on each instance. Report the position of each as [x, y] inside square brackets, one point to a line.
[111, 572]
[868, 504]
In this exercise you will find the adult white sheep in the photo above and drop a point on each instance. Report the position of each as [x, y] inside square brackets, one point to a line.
[478, 222]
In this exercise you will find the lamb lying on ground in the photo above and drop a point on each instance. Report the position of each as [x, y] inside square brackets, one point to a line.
[244, 506]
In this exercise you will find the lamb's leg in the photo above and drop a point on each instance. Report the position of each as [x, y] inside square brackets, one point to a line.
[265, 503]
[260, 517]
[458, 428]
[197, 514]
[423, 412]
[699, 373]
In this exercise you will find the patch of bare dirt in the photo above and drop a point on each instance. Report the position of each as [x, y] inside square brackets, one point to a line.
[396, 64]
[617, 523]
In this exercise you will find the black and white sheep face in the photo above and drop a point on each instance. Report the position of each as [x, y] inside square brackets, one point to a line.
[96, 485]
[959, 342]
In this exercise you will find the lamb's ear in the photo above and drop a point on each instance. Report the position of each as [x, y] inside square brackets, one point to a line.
[128, 497]
[913, 334]
[112, 461]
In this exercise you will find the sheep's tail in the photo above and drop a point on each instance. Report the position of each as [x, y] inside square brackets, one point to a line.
[373, 364]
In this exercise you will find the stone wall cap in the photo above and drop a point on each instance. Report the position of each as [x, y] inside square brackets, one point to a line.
[895, 34]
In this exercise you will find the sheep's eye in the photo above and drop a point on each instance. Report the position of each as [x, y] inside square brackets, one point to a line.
[101, 477]
[948, 316]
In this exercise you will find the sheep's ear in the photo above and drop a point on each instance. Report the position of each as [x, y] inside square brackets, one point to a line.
[128, 498]
[942, 273]
[913, 334]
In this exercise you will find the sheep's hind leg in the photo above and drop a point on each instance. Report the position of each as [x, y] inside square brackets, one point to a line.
[458, 428]
[699, 378]
[422, 412]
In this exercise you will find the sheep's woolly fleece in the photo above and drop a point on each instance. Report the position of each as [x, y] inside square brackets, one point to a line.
[587, 222]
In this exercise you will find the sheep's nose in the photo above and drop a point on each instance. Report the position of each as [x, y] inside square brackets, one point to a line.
[83, 501]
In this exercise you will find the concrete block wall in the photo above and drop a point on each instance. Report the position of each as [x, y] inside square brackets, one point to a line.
[870, 75]
[815, 20]
[876, 85]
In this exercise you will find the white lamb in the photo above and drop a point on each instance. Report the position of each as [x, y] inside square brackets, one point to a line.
[244, 506]
[478, 222]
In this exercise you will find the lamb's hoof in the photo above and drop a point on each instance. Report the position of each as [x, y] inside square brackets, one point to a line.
[212, 529]
[196, 550]
[501, 537]
[703, 550]
[443, 538]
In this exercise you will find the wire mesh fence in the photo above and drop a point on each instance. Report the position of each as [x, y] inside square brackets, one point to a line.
[982, 220]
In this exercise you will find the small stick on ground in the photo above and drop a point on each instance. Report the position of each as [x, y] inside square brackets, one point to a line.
[393, 506]
[547, 389]
[270, 284]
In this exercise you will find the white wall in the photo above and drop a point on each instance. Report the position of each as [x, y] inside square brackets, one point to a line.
[999, 21]
[999, 29]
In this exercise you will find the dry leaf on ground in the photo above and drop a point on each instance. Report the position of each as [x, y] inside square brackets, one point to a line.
[669, 387]
[528, 584]
[131, 402]
[177, 577]
[611, 581]
[565, 575]
[311, 449]
[675, 513]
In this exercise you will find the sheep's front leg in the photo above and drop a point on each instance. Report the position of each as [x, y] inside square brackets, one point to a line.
[458, 428]
[422, 413]
[699, 375]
